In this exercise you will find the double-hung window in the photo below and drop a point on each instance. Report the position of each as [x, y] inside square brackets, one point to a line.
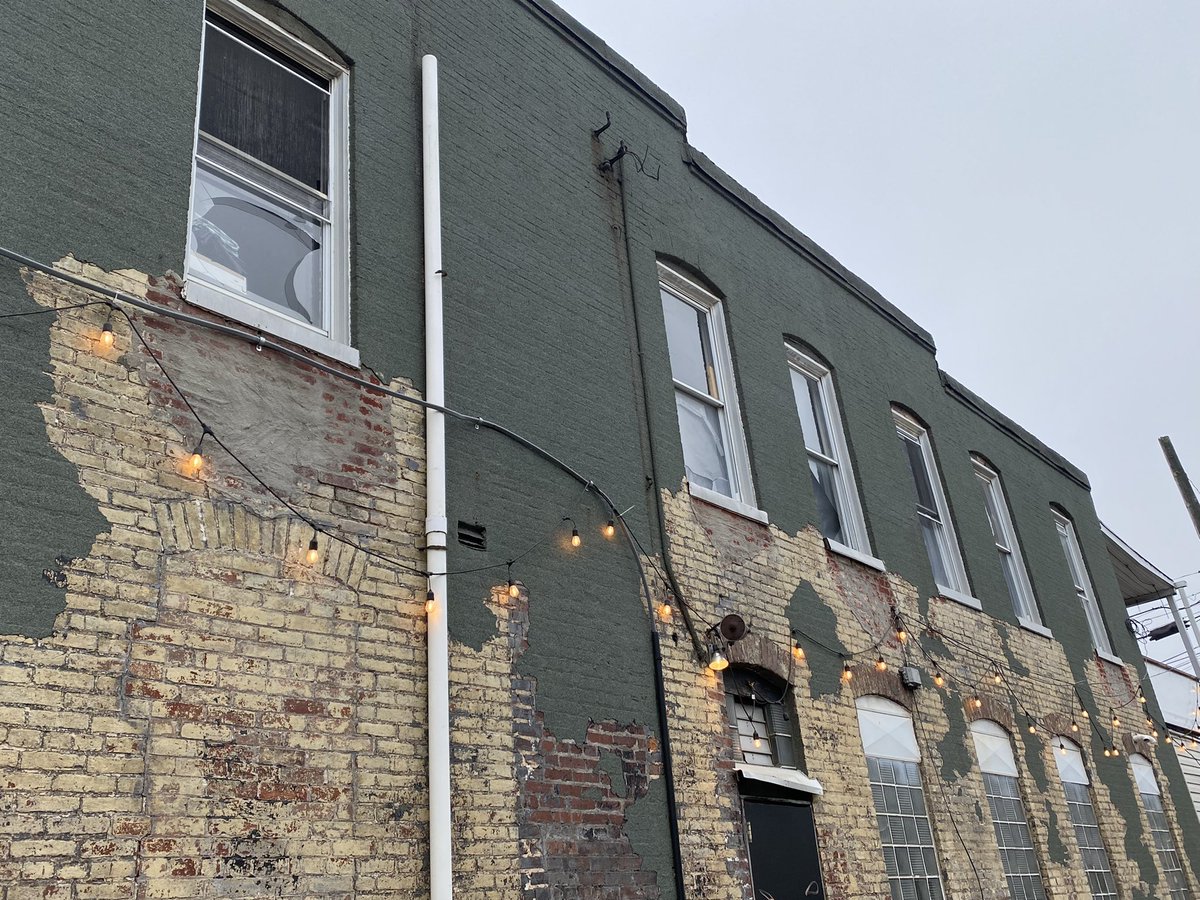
[1020, 591]
[714, 448]
[1083, 816]
[763, 733]
[268, 241]
[1083, 586]
[993, 747]
[838, 511]
[1160, 830]
[933, 514]
[893, 765]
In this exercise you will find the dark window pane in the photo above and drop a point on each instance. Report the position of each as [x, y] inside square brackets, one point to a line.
[256, 101]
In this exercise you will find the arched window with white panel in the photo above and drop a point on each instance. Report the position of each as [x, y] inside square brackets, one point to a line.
[893, 763]
[1077, 785]
[993, 748]
[1164, 843]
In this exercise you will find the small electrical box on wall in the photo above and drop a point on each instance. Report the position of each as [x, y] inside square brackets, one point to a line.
[910, 677]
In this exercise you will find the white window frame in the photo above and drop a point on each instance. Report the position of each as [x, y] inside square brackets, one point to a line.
[887, 735]
[728, 410]
[1024, 602]
[333, 338]
[1084, 592]
[909, 428]
[1073, 770]
[1169, 858]
[854, 526]
[994, 752]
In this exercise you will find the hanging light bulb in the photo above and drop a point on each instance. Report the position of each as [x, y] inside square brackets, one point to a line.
[1086, 714]
[430, 601]
[313, 553]
[755, 737]
[977, 702]
[610, 529]
[197, 459]
[998, 678]
[576, 540]
[1116, 721]
[106, 334]
[1167, 738]
[1107, 752]
[1116, 750]
[1062, 748]
[1194, 744]
[901, 634]
[797, 651]
[938, 678]
[716, 659]
[880, 665]
[1032, 727]
[514, 589]
[847, 674]
[1074, 726]
[665, 611]
[1141, 698]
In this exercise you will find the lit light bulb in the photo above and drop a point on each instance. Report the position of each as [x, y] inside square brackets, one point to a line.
[430, 601]
[880, 665]
[1107, 752]
[1167, 738]
[998, 678]
[978, 702]
[797, 652]
[106, 334]
[197, 460]
[1074, 725]
[665, 612]
[1115, 750]
[1086, 714]
[313, 553]
[576, 540]
[939, 679]
[1142, 699]
[1062, 748]
[757, 740]
[514, 589]
[1033, 727]
[717, 660]
[847, 675]
[610, 529]
[1116, 722]
[901, 634]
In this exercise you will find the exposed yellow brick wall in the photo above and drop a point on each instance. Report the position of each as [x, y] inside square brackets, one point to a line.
[212, 716]
[728, 564]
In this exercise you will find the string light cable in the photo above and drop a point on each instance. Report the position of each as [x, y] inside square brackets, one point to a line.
[117, 299]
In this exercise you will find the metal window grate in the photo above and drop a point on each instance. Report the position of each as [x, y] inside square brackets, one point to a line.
[908, 851]
[1087, 832]
[1014, 838]
[1168, 856]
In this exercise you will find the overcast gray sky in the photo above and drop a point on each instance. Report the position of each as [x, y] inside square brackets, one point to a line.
[1022, 178]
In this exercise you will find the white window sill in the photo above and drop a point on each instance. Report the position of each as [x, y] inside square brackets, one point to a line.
[959, 597]
[857, 555]
[1035, 627]
[1109, 657]
[734, 506]
[269, 323]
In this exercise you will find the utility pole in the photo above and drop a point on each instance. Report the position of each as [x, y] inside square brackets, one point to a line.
[1181, 480]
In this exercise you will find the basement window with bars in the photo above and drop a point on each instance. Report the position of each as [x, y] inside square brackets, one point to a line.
[268, 241]
[756, 709]
[1160, 829]
[1076, 784]
[993, 748]
[893, 765]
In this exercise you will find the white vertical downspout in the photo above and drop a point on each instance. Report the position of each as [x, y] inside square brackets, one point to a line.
[440, 862]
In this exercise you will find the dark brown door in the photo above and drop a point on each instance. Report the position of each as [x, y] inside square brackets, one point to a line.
[783, 850]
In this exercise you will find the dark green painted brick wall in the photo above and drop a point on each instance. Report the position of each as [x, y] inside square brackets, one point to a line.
[540, 296]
